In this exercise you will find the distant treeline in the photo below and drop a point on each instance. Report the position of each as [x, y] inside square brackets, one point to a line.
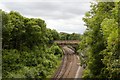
[73, 36]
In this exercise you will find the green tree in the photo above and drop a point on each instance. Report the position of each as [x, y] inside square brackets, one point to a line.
[100, 41]
[26, 52]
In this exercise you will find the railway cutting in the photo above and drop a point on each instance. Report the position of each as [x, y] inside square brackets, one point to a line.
[70, 66]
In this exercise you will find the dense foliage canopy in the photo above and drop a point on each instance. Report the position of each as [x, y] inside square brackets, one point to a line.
[27, 51]
[100, 42]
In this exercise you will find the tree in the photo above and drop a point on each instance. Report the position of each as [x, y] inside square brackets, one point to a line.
[26, 52]
[99, 39]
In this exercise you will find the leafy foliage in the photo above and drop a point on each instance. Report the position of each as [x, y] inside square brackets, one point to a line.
[100, 42]
[27, 52]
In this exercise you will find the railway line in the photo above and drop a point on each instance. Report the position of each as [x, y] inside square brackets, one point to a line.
[70, 67]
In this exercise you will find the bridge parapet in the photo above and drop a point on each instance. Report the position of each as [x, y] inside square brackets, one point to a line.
[67, 42]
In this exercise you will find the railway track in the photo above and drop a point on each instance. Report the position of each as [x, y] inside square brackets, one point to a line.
[68, 66]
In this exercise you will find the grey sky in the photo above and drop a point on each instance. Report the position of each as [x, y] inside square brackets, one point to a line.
[62, 15]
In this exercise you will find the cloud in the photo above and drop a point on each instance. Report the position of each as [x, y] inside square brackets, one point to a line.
[62, 15]
[72, 25]
[47, 0]
[54, 10]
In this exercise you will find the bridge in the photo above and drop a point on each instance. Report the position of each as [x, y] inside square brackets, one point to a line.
[73, 44]
[67, 42]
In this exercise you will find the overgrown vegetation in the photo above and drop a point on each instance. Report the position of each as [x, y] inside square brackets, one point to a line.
[100, 42]
[27, 51]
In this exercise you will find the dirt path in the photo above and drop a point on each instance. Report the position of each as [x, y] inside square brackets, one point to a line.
[70, 67]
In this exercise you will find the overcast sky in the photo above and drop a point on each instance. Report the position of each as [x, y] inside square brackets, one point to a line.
[62, 15]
